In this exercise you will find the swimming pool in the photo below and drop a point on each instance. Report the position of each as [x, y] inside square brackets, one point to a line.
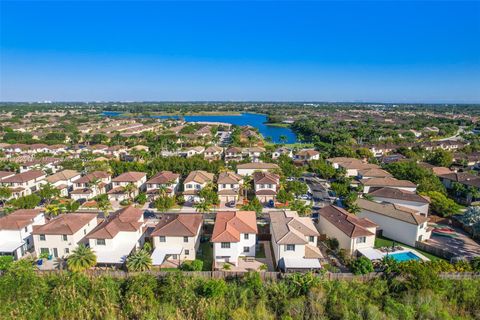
[404, 256]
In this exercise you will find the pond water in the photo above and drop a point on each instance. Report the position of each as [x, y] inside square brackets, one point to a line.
[244, 119]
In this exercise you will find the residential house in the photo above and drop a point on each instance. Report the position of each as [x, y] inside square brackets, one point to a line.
[163, 179]
[294, 241]
[119, 190]
[282, 151]
[195, 182]
[176, 238]
[16, 231]
[114, 238]
[63, 180]
[25, 183]
[61, 235]
[91, 185]
[233, 154]
[403, 198]
[373, 173]
[234, 236]
[249, 168]
[6, 174]
[351, 165]
[194, 151]
[229, 186]
[395, 222]
[253, 153]
[353, 233]
[213, 153]
[48, 165]
[377, 183]
[266, 186]
[307, 155]
[469, 182]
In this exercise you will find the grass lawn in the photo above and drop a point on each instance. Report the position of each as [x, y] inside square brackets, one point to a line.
[385, 242]
[206, 255]
[260, 252]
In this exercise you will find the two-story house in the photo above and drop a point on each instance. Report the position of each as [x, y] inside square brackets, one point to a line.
[253, 153]
[229, 186]
[194, 182]
[307, 155]
[233, 154]
[396, 222]
[164, 179]
[176, 239]
[282, 151]
[234, 236]
[117, 236]
[63, 180]
[91, 185]
[120, 190]
[190, 152]
[388, 182]
[266, 186]
[294, 241]
[249, 168]
[353, 233]
[401, 197]
[61, 235]
[16, 231]
[213, 153]
[25, 183]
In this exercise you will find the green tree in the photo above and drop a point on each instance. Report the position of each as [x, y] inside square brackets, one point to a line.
[5, 194]
[26, 202]
[440, 157]
[48, 192]
[361, 265]
[139, 261]
[284, 196]
[81, 259]
[441, 205]
[300, 207]
[164, 203]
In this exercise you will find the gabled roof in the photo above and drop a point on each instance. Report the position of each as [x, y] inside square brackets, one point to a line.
[393, 211]
[69, 223]
[163, 177]
[258, 165]
[229, 225]
[265, 178]
[127, 219]
[5, 174]
[399, 194]
[214, 149]
[62, 176]
[308, 152]
[24, 176]
[130, 176]
[92, 176]
[375, 173]
[289, 228]
[462, 177]
[199, 176]
[387, 182]
[234, 150]
[18, 219]
[228, 178]
[346, 222]
[178, 225]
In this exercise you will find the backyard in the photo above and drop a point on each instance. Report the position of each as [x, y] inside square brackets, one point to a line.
[385, 242]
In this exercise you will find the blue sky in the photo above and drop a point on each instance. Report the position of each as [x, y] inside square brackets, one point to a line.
[276, 51]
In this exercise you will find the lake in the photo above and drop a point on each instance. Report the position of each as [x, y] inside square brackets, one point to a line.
[244, 119]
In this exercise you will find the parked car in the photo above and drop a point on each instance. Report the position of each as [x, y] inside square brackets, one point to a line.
[230, 204]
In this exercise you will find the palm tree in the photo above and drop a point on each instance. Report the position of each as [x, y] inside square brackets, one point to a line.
[129, 189]
[81, 259]
[54, 209]
[246, 185]
[94, 185]
[104, 205]
[5, 194]
[72, 206]
[139, 261]
[162, 190]
[203, 206]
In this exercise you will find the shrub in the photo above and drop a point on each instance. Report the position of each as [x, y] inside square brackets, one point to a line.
[361, 265]
[195, 265]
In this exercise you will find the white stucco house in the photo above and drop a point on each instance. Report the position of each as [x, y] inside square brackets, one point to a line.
[91, 185]
[61, 235]
[403, 198]
[25, 183]
[234, 236]
[16, 231]
[166, 179]
[294, 241]
[194, 182]
[63, 180]
[176, 238]
[114, 238]
[396, 222]
[118, 191]
[249, 168]
[228, 186]
[388, 182]
[353, 233]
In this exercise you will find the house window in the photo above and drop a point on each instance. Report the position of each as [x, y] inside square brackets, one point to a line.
[361, 239]
[225, 245]
[26, 229]
[44, 250]
[67, 251]
[42, 237]
[224, 186]
[187, 252]
[64, 237]
[311, 239]
[100, 242]
[290, 247]
[185, 239]
[232, 186]
[189, 186]
[269, 186]
[245, 236]
[246, 249]
[162, 239]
